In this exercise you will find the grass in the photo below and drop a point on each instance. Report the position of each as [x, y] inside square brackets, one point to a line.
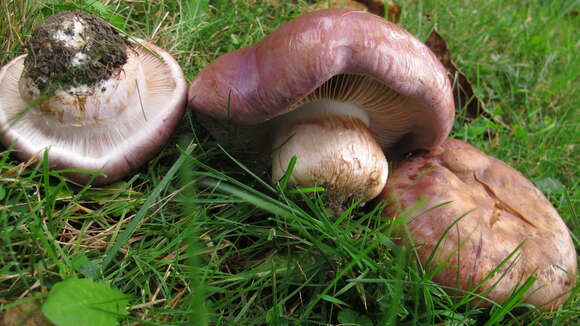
[195, 237]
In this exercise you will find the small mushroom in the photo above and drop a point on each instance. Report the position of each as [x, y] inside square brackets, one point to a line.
[477, 213]
[334, 88]
[93, 99]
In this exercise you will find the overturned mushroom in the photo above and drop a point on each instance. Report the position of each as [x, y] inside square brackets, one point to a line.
[93, 99]
[495, 210]
[333, 87]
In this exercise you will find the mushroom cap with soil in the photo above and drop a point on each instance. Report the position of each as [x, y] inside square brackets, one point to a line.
[495, 210]
[93, 99]
[333, 88]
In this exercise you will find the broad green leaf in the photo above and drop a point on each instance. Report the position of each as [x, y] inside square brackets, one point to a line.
[84, 302]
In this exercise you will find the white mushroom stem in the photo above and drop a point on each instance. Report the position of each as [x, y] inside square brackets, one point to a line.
[334, 148]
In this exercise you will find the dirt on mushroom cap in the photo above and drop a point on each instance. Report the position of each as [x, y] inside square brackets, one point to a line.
[50, 59]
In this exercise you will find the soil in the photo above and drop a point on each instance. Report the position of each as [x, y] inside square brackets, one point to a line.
[50, 60]
[25, 314]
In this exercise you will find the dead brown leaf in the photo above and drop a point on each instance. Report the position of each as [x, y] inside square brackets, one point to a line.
[377, 7]
[394, 13]
[462, 90]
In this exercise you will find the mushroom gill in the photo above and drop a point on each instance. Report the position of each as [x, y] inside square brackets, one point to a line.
[389, 112]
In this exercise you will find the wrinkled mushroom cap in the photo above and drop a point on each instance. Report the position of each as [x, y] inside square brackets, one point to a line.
[266, 80]
[148, 95]
[499, 210]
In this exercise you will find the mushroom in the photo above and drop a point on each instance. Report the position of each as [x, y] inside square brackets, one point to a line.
[480, 216]
[333, 88]
[93, 99]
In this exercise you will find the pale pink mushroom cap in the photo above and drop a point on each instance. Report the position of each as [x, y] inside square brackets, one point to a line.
[120, 128]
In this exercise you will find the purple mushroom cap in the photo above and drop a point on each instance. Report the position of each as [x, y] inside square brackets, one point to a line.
[266, 80]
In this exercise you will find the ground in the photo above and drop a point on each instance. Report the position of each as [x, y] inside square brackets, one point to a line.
[196, 237]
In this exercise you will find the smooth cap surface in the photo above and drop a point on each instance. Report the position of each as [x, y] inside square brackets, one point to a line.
[499, 210]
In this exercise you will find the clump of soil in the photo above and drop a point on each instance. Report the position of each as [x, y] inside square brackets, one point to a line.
[73, 48]
[26, 314]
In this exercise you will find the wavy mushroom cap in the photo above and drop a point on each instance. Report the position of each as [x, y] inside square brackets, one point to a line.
[405, 90]
[498, 210]
[114, 126]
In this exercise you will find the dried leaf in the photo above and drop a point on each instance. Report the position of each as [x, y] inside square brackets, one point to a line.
[394, 13]
[462, 90]
[377, 7]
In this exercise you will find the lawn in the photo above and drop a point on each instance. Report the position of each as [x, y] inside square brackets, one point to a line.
[197, 237]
